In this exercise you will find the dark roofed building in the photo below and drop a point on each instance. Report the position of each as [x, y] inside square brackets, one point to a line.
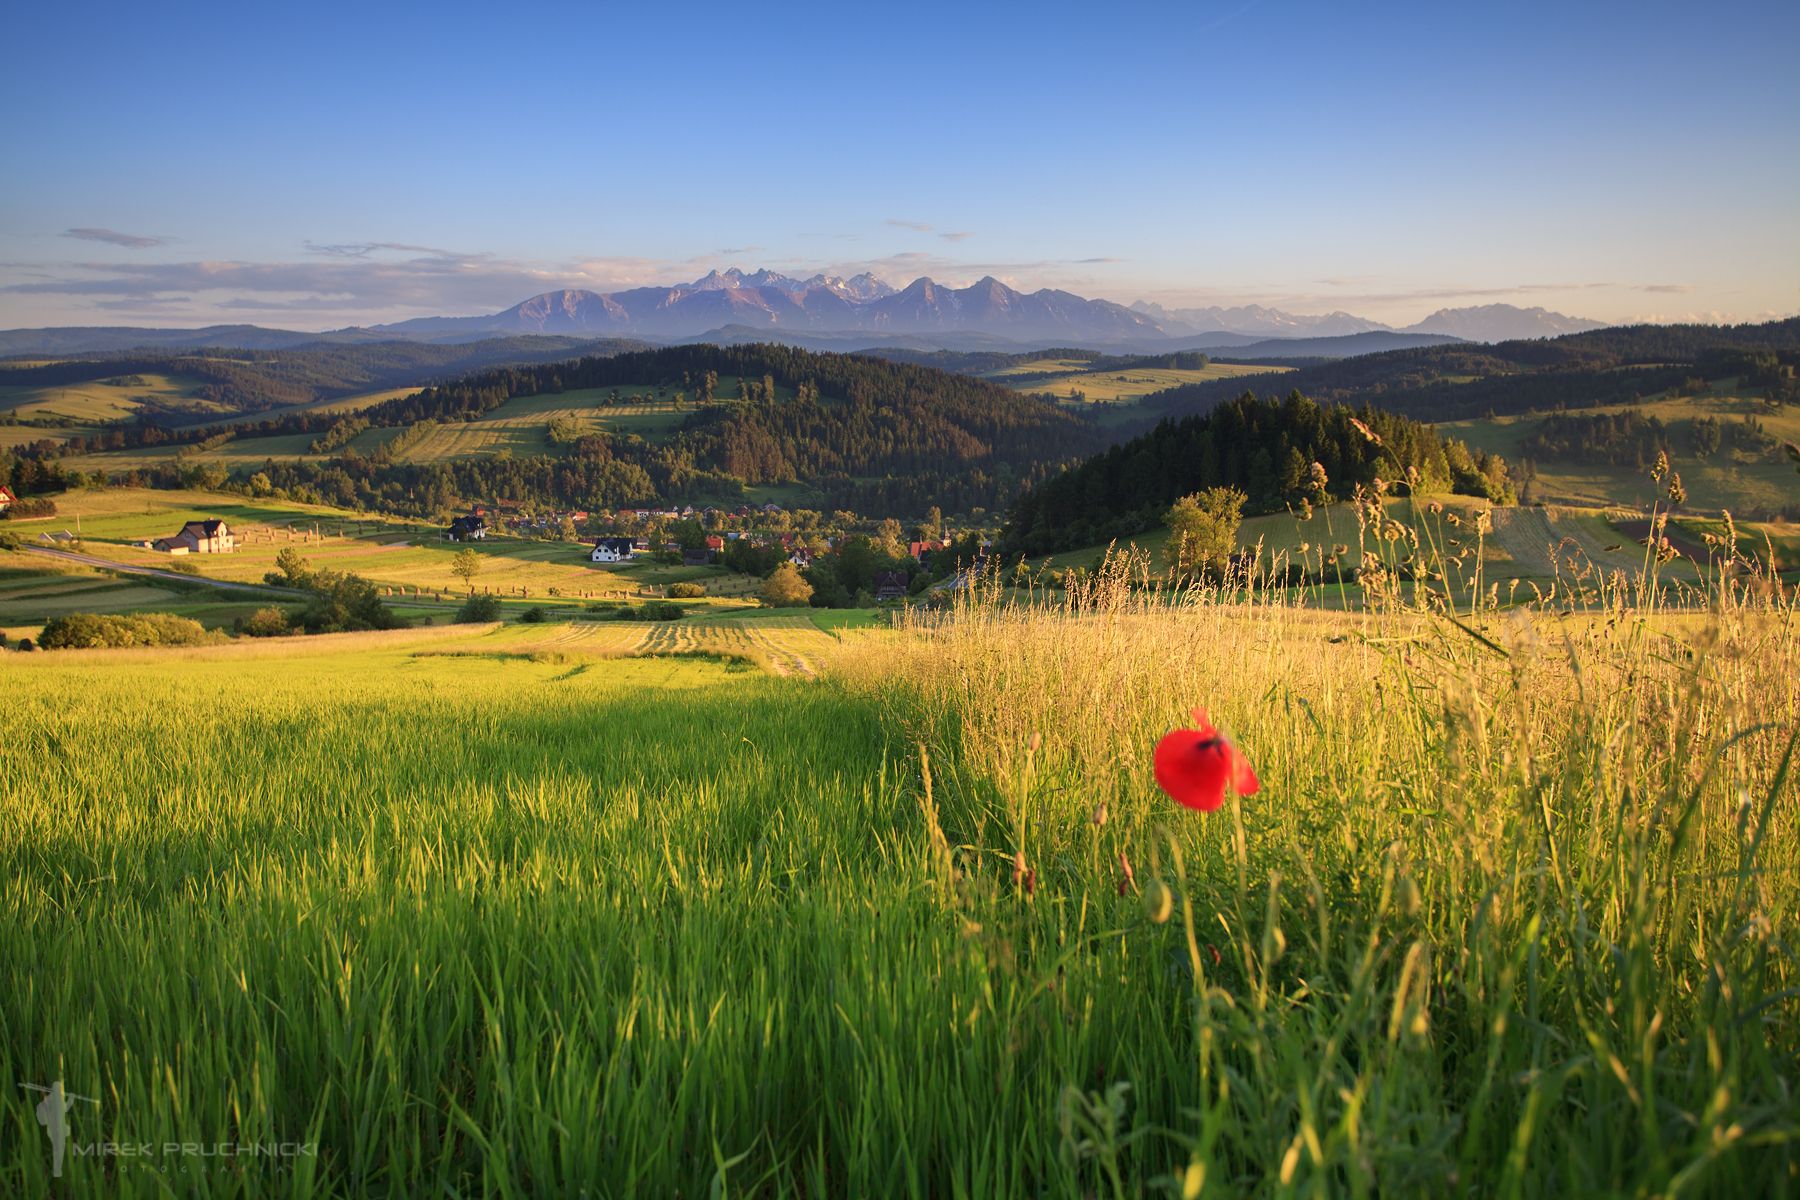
[467, 529]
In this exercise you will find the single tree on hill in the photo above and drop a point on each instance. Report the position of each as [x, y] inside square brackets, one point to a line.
[466, 565]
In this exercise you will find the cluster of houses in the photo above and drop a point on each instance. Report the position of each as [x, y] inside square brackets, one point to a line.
[627, 516]
[620, 548]
[624, 549]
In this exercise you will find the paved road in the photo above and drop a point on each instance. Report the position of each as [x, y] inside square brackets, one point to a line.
[259, 589]
[90, 560]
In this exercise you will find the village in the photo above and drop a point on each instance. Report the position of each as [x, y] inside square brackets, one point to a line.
[575, 564]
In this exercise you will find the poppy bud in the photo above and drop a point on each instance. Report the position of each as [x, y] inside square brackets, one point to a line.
[1024, 877]
[1100, 813]
[1126, 878]
[1159, 902]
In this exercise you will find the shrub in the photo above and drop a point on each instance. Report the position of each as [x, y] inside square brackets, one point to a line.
[10, 541]
[90, 630]
[534, 615]
[650, 610]
[25, 644]
[183, 566]
[32, 506]
[687, 591]
[785, 588]
[345, 602]
[266, 622]
[478, 609]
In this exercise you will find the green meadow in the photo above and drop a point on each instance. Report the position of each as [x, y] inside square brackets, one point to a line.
[1127, 385]
[97, 402]
[409, 557]
[520, 426]
[777, 906]
[1718, 481]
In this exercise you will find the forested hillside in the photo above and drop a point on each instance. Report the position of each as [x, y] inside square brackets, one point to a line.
[1606, 366]
[859, 433]
[1278, 453]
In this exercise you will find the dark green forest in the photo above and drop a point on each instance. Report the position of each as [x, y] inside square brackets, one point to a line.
[863, 434]
[1267, 449]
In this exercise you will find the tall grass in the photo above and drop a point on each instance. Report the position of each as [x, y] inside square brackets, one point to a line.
[1513, 913]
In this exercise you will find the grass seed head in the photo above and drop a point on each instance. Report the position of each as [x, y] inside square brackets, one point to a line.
[1159, 902]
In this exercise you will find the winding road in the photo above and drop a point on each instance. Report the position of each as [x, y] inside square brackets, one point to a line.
[90, 560]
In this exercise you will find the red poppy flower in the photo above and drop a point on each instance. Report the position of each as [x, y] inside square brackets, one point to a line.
[1195, 766]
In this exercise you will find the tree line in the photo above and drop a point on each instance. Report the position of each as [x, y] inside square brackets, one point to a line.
[1277, 453]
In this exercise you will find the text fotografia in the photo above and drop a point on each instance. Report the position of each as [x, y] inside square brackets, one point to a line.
[233, 1150]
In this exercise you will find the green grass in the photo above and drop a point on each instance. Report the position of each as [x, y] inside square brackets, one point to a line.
[498, 911]
[519, 427]
[100, 401]
[1713, 483]
[402, 554]
[1117, 385]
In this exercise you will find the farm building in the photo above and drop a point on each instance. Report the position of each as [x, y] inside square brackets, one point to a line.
[210, 536]
[6, 497]
[700, 556]
[613, 549]
[890, 585]
[467, 529]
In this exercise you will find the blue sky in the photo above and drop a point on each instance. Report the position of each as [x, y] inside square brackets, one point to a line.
[319, 166]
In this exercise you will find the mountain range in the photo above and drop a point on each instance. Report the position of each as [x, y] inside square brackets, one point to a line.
[821, 310]
[1485, 323]
[826, 303]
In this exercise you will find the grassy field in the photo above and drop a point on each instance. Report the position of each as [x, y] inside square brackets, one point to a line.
[402, 554]
[1110, 386]
[1712, 483]
[99, 401]
[1529, 544]
[520, 427]
[343, 404]
[757, 905]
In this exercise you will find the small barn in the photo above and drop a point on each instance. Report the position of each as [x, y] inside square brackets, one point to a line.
[612, 549]
[7, 499]
[890, 585]
[699, 556]
[211, 536]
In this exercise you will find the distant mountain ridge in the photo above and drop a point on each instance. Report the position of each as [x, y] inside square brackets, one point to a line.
[821, 303]
[830, 304]
[779, 307]
[1483, 323]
